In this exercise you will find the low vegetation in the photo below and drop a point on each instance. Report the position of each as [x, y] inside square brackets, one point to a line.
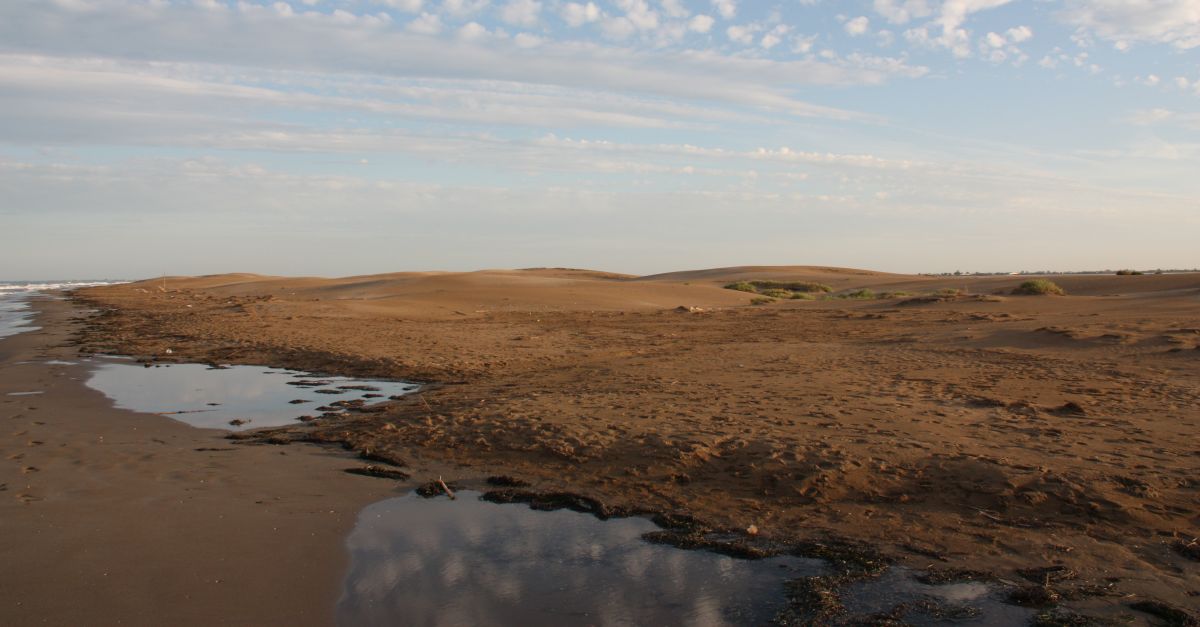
[1130, 272]
[780, 289]
[769, 291]
[1039, 287]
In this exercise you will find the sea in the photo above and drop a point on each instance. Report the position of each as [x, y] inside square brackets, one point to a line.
[16, 315]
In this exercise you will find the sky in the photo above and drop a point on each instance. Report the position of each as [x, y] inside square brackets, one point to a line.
[342, 137]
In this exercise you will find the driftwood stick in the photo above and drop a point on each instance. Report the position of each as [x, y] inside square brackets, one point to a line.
[445, 487]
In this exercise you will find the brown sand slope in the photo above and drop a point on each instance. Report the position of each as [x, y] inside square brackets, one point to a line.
[443, 294]
[971, 430]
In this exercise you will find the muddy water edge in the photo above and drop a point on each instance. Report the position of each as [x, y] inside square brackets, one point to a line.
[110, 516]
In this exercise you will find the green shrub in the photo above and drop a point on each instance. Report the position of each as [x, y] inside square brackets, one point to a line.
[742, 286]
[777, 293]
[863, 294]
[950, 291]
[1038, 287]
[1129, 272]
[794, 286]
[761, 300]
[803, 296]
[895, 295]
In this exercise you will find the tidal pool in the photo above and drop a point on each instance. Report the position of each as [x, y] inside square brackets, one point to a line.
[207, 397]
[899, 585]
[418, 561]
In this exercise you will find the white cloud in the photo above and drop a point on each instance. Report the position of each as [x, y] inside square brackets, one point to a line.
[902, 12]
[743, 34]
[639, 13]
[462, 8]
[575, 14]
[526, 40]
[521, 12]
[995, 41]
[774, 36]
[371, 45]
[471, 31]
[1019, 34]
[675, 9]
[950, 19]
[857, 26]
[1173, 22]
[727, 9]
[617, 28]
[700, 24]
[803, 44]
[425, 24]
[410, 6]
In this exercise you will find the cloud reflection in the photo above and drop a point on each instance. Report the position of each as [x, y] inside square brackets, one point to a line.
[470, 562]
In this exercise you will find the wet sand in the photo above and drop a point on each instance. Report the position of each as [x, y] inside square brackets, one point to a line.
[113, 517]
[986, 432]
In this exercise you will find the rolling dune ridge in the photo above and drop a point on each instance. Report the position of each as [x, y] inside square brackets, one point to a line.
[967, 429]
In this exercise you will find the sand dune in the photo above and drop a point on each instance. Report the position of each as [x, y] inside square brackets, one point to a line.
[991, 431]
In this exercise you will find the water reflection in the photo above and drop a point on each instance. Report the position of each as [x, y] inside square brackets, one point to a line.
[470, 562]
[898, 584]
[213, 397]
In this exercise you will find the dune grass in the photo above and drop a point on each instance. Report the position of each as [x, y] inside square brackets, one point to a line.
[799, 290]
[863, 294]
[1039, 287]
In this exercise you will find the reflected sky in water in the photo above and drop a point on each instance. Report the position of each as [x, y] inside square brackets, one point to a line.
[469, 562]
[260, 395]
[898, 584]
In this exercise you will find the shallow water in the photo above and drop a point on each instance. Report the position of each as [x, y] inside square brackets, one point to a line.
[436, 561]
[418, 561]
[898, 585]
[207, 397]
[15, 314]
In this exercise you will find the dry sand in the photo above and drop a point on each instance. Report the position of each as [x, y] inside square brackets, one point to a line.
[987, 432]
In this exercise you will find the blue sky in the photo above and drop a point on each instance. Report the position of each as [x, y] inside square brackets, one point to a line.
[338, 137]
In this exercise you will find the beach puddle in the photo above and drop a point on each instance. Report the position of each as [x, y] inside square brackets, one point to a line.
[436, 561]
[34, 393]
[970, 603]
[233, 397]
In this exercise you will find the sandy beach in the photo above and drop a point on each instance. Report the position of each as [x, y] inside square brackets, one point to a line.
[110, 517]
[1044, 441]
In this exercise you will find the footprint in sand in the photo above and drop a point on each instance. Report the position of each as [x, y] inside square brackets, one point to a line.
[27, 498]
[28, 469]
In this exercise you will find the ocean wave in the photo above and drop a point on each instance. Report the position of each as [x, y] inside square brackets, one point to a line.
[36, 286]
